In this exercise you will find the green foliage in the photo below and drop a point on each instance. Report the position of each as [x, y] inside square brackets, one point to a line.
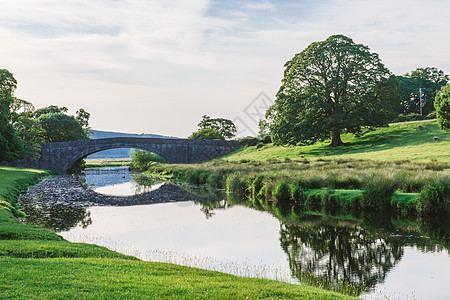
[141, 159]
[442, 105]
[236, 184]
[207, 134]
[331, 86]
[225, 127]
[430, 80]
[378, 191]
[281, 193]
[435, 198]
[59, 127]
[11, 146]
[249, 141]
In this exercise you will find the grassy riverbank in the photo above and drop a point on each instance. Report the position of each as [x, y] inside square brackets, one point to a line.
[398, 169]
[36, 263]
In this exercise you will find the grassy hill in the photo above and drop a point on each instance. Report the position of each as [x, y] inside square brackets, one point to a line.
[402, 141]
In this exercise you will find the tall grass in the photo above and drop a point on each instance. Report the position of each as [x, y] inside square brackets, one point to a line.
[318, 183]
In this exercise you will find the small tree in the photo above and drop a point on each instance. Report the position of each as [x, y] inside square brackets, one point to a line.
[224, 126]
[140, 159]
[442, 105]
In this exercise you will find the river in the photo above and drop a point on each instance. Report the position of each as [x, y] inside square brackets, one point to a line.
[392, 257]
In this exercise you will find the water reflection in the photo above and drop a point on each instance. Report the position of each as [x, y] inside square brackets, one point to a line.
[57, 217]
[332, 252]
[119, 182]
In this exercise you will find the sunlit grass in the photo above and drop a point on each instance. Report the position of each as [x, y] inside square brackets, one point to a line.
[402, 141]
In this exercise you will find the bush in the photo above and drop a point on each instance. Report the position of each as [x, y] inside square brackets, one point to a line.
[431, 115]
[281, 193]
[298, 195]
[435, 198]
[256, 186]
[249, 141]
[267, 139]
[236, 184]
[140, 159]
[265, 194]
[378, 191]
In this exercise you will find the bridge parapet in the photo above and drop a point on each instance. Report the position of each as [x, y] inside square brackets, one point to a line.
[60, 156]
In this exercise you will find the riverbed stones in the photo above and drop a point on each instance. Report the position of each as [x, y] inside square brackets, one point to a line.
[68, 190]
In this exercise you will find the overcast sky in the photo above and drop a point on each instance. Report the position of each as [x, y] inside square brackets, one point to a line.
[143, 66]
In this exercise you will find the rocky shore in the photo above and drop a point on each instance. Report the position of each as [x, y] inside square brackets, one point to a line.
[67, 190]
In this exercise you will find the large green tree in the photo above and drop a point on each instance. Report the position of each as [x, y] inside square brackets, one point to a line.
[442, 105]
[330, 87]
[11, 146]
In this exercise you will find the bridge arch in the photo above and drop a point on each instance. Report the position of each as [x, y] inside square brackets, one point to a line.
[78, 156]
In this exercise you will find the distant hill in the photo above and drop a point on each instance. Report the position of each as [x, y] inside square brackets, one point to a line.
[121, 152]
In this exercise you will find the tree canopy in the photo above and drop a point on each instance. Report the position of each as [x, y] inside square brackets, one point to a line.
[442, 105]
[22, 128]
[214, 129]
[207, 134]
[224, 126]
[11, 146]
[332, 86]
[430, 80]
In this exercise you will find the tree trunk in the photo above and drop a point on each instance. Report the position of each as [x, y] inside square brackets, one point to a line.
[336, 138]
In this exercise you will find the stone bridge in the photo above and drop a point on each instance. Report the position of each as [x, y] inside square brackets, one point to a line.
[61, 156]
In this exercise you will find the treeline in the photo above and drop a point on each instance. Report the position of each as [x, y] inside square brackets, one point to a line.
[337, 86]
[23, 128]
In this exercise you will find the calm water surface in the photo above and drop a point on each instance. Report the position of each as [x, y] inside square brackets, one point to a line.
[395, 259]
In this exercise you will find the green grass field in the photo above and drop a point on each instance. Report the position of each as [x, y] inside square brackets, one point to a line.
[36, 263]
[113, 162]
[402, 141]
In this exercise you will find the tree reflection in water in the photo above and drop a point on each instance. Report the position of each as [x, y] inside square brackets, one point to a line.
[339, 254]
[57, 217]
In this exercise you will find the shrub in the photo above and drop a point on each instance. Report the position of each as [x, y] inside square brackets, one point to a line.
[298, 195]
[249, 141]
[256, 186]
[266, 139]
[140, 159]
[281, 193]
[236, 184]
[435, 198]
[265, 194]
[378, 191]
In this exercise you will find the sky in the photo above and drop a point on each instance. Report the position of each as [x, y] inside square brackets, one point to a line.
[154, 66]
